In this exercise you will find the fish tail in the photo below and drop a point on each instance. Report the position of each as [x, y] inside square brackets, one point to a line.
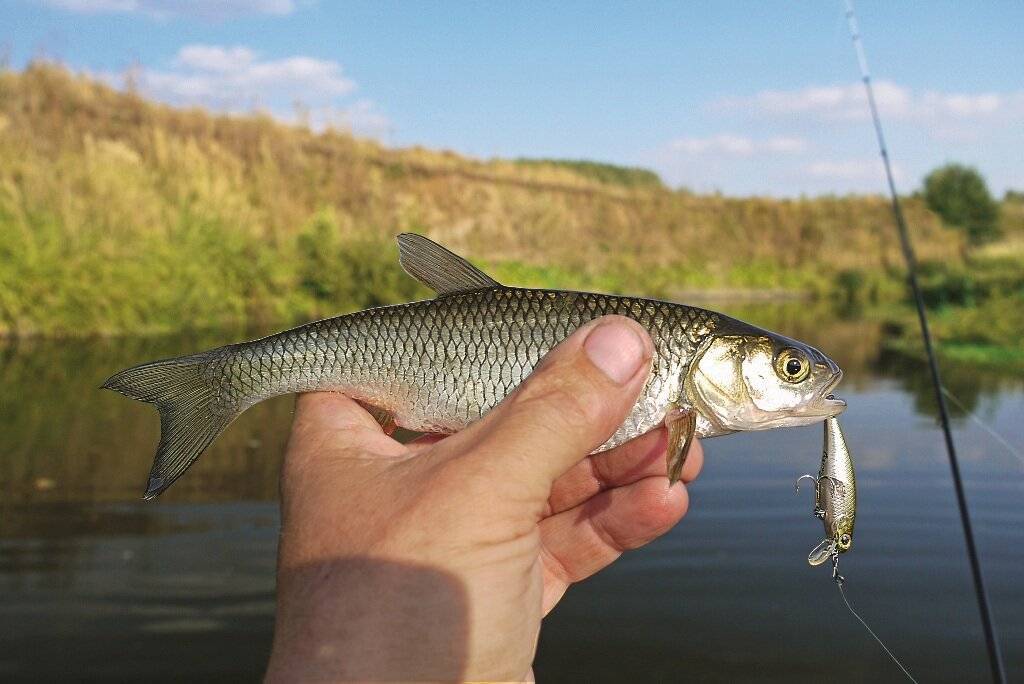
[192, 410]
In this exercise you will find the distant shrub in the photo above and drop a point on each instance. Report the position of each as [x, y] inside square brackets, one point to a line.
[944, 285]
[850, 286]
[853, 288]
[612, 174]
[342, 271]
[960, 196]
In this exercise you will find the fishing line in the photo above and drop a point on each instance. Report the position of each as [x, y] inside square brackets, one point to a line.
[995, 657]
[984, 426]
[885, 648]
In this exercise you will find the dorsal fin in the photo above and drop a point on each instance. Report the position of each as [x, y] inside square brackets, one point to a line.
[438, 268]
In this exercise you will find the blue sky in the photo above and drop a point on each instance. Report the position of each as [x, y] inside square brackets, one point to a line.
[741, 97]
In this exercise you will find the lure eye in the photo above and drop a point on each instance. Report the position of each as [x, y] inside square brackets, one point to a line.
[792, 365]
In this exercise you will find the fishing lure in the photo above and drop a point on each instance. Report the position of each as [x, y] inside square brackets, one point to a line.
[835, 498]
[835, 504]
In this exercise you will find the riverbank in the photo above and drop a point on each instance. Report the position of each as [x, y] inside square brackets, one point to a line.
[120, 216]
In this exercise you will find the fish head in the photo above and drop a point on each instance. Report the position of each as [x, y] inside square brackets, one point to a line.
[752, 379]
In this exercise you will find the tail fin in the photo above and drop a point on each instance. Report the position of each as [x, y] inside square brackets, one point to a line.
[192, 412]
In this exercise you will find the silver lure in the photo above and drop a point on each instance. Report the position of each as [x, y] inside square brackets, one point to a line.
[835, 497]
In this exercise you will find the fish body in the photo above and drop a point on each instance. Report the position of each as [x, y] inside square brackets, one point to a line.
[835, 500]
[438, 365]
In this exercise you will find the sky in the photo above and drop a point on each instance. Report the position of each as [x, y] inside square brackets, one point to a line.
[738, 97]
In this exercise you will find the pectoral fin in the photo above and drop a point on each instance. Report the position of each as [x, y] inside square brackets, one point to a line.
[820, 553]
[682, 425]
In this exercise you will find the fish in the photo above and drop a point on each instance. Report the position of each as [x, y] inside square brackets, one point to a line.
[439, 364]
[835, 496]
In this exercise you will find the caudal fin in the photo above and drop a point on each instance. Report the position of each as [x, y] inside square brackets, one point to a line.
[192, 413]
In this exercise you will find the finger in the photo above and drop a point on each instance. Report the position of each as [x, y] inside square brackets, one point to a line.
[570, 405]
[425, 440]
[327, 421]
[639, 458]
[581, 541]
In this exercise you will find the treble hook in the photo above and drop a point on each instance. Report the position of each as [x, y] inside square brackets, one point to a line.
[808, 476]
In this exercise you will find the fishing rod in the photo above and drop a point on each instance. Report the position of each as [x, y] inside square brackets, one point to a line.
[994, 655]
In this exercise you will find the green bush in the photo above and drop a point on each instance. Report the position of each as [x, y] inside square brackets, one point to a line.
[343, 271]
[960, 196]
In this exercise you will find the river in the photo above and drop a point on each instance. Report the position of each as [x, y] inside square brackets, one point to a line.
[95, 583]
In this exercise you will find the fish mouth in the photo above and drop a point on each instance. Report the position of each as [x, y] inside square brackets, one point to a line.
[829, 401]
[835, 404]
[827, 404]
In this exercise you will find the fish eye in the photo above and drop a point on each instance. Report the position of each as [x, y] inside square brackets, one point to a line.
[792, 365]
[844, 540]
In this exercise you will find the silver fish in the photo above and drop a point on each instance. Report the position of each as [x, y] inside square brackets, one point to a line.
[438, 365]
[835, 497]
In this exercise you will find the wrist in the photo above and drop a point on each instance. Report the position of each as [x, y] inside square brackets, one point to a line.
[362, 618]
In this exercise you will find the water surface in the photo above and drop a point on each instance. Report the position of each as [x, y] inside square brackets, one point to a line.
[96, 583]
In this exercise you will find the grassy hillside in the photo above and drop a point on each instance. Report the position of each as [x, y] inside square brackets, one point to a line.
[121, 215]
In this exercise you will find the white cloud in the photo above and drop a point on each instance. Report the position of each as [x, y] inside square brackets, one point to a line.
[853, 171]
[94, 6]
[215, 58]
[895, 102]
[783, 145]
[964, 106]
[737, 146]
[207, 9]
[236, 79]
[834, 102]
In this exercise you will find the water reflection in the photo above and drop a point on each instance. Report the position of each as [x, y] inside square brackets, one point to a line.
[64, 440]
[101, 584]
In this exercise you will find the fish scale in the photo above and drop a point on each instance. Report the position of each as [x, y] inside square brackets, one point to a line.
[454, 358]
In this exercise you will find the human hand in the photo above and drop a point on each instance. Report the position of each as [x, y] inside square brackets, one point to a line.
[437, 559]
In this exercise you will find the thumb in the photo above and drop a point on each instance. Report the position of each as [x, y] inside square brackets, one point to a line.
[571, 404]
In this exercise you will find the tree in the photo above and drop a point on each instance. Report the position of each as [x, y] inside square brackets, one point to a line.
[960, 196]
